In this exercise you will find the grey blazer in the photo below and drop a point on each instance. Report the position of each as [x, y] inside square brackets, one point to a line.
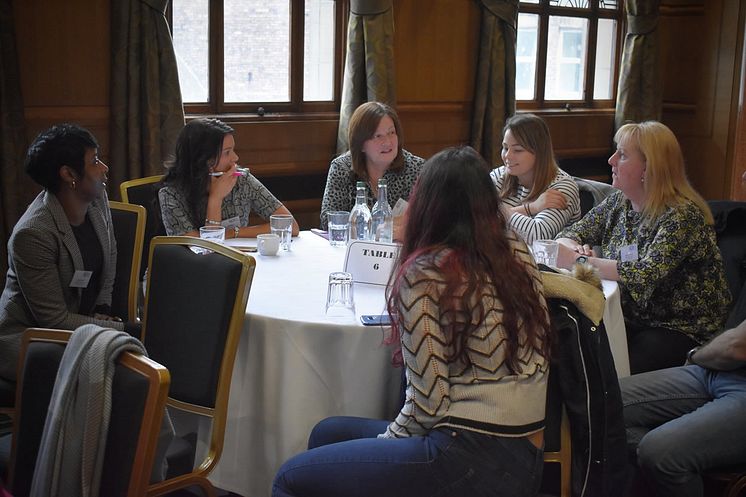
[43, 256]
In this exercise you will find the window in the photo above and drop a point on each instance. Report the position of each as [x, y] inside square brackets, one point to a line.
[567, 53]
[256, 56]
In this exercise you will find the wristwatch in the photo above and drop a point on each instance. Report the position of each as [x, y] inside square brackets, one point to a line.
[690, 356]
[581, 260]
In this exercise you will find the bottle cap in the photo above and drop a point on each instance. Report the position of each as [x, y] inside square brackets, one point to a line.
[360, 184]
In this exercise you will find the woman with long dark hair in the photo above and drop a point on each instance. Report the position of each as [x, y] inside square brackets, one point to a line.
[468, 310]
[204, 186]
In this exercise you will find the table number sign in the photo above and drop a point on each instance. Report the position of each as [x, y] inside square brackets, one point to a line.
[371, 262]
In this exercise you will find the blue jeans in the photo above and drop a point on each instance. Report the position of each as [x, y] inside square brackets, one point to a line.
[696, 421]
[345, 459]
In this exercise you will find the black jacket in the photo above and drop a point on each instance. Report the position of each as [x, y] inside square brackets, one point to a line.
[584, 379]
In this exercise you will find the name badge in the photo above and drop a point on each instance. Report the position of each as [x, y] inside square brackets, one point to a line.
[231, 223]
[81, 279]
[629, 253]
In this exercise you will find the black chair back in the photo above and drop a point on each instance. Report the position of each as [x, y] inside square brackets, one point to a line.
[144, 192]
[139, 391]
[592, 193]
[128, 221]
[194, 311]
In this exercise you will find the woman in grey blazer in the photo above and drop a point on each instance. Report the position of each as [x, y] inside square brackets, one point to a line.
[62, 253]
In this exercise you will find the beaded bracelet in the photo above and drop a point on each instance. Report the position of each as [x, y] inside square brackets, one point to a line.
[210, 221]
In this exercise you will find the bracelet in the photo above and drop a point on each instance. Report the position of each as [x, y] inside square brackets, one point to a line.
[528, 211]
[210, 221]
[235, 231]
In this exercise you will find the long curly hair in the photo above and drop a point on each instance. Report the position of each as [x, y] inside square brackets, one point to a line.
[198, 148]
[455, 224]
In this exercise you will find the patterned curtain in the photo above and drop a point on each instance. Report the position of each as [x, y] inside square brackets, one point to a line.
[494, 91]
[369, 65]
[639, 94]
[13, 181]
[146, 107]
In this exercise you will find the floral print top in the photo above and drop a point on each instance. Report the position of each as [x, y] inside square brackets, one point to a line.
[676, 280]
[340, 191]
[247, 194]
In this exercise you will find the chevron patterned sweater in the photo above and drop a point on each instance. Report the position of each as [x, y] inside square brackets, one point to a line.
[485, 396]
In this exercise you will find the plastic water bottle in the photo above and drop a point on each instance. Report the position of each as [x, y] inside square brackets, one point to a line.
[382, 229]
[360, 216]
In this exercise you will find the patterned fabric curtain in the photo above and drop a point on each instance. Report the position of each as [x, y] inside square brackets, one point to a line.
[369, 65]
[146, 107]
[13, 181]
[639, 94]
[494, 91]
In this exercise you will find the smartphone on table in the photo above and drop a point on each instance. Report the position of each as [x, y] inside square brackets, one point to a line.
[376, 319]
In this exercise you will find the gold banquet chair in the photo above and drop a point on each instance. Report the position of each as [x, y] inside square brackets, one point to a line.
[194, 312]
[144, 191]
[128, 221]
[138, 400]
[560, 452]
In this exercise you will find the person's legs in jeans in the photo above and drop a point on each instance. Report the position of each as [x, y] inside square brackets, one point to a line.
[342, 428]
[443, 463]
[695, 417]
[656, 348]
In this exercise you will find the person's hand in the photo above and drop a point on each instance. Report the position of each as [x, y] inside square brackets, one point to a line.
[106, 317]
[550, 199]
[221, 186]
[566, 256]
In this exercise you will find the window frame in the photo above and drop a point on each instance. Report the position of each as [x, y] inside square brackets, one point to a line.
[592, 14]
[216, 106]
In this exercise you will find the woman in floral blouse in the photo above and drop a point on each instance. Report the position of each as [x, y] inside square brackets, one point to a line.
[376, 152]
[657, 240]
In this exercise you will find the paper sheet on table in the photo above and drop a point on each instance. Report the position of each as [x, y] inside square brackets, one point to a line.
[399, 207]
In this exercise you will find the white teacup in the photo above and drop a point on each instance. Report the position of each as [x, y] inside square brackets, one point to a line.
[268, 244]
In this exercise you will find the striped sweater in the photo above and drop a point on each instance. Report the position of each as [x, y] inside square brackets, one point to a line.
[484, 396]
[547, 223]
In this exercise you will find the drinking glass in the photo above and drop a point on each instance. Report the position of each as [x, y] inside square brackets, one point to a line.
[339, 226]
[545, 252]
[212, 232]
[282, 226]
[340, 304]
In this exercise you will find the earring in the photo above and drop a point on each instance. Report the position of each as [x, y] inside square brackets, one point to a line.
[72, 185]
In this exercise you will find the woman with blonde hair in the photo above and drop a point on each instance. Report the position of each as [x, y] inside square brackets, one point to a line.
[657, 240]
[538, 198]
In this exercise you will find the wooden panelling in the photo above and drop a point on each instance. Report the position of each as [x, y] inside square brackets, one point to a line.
[699, 57]
[435, 50]
[63, 49]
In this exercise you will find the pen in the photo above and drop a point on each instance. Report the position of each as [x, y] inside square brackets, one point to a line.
[240, 171]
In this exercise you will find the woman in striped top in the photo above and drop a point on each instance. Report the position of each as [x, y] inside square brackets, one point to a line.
[538, 198]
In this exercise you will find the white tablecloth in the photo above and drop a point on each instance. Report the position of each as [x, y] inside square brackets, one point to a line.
[294, 367]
